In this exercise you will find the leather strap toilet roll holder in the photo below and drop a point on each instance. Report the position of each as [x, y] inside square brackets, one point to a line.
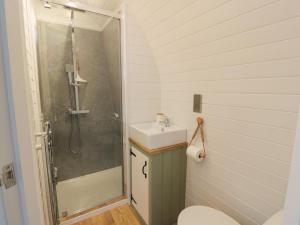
[200, 122]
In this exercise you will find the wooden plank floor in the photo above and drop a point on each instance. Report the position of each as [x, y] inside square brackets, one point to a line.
[123, 215]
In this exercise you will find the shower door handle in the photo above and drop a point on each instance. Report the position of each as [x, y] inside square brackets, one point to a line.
[41, 134]
[143, 170]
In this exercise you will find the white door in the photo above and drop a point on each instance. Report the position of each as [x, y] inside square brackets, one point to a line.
[140, 183]
[10, 212]
[2, 211]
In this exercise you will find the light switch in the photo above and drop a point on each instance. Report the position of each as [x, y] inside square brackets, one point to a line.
[197, 106]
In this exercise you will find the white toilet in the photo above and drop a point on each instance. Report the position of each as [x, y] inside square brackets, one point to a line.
[202, 215]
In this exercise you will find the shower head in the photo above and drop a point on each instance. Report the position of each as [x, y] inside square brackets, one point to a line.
[73, 6]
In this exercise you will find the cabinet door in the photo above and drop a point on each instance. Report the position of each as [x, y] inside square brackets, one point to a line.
[140, 183]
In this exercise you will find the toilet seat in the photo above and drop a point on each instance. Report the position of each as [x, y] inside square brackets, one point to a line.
[202, 215]
[276, 219]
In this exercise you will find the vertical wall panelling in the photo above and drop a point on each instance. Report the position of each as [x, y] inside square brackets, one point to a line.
[143, 80]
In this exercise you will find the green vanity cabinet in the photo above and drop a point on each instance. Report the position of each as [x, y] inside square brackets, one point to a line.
[158, 180]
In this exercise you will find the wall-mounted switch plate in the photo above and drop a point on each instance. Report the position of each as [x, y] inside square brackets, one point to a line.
[8, 178]
[197, 106]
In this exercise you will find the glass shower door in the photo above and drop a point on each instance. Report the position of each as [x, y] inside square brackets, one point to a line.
[81, 87]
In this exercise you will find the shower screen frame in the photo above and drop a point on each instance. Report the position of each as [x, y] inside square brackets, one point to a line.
[121, 16]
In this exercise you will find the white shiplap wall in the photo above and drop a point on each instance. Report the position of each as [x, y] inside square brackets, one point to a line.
[244, 58]
[143, 80]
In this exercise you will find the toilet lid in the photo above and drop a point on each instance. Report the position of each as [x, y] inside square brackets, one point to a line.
[276, 219]
[202, 215]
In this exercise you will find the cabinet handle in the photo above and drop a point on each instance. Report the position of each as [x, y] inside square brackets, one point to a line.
[143, 170]
[132, 153]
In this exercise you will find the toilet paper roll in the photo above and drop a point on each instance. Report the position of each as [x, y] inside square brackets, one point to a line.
[194, 153]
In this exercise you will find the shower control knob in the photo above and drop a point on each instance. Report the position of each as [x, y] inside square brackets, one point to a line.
[116, 116]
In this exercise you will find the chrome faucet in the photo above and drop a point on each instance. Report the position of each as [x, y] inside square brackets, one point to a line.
[167, 122]
[164, 123]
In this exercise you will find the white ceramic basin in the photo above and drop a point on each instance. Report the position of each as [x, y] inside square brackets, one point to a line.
[152, 136]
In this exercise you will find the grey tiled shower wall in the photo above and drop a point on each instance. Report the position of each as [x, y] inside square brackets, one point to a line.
[93, 142]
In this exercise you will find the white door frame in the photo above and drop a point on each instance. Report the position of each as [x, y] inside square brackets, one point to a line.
[10, 212]
[3, 220]
[125, 102]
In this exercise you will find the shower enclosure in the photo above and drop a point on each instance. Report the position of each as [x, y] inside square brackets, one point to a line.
[81, 95]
